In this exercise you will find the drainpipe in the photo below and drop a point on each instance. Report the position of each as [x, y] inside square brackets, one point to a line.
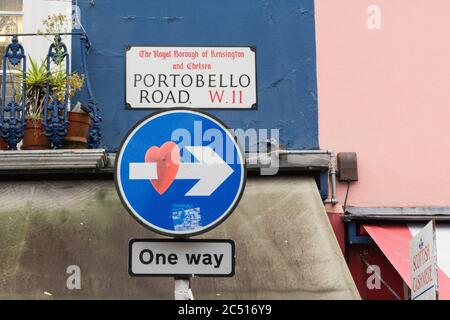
[334, 199]
[332, 155]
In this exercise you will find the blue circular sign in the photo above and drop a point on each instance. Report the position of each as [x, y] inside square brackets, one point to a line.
[180, 172]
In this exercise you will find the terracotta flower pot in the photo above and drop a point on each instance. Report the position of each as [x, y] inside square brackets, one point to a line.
[34, 137]
[3, 144]
[78, 129]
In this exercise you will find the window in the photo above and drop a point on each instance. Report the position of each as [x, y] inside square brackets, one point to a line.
[11, 15]
[11, 5]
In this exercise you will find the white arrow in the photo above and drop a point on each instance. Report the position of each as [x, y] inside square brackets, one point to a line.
[211, 171]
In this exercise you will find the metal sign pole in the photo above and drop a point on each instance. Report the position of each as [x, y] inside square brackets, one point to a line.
[183, 289]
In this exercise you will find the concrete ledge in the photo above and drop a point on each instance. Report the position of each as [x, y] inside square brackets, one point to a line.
[305, 161]
[53, 159]
[397, 214]
[98, 161]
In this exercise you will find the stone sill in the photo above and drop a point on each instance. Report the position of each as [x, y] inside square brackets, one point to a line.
[303, 162]
[419, 214]
[98, 161]
[66, 159]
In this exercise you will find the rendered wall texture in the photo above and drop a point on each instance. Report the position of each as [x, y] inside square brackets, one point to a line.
[384, 93]
[282, 31]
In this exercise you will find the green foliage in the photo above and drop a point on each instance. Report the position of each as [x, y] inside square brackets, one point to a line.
[36, 80]
[36, 83]
[56, 23]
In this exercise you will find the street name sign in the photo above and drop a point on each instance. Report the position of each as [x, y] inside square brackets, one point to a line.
[423, 264]
[193, 77]
[181, 258]
[180, 172]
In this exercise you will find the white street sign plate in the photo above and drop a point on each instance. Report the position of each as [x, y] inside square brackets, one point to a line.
[423, 264]
[182, 258]
[191, 77]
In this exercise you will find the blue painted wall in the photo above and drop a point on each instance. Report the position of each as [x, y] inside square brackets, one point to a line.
[282, 30]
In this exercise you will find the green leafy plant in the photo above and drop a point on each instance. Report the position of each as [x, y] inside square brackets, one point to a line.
[56, 23]
[36, 81]
[37, 76]
[58, 79]
[54, 26]
[36, 86]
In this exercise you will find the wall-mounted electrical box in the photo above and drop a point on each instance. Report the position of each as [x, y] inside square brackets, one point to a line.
[347, 166]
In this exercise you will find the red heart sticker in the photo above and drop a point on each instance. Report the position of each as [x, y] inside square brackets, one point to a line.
[167, 159]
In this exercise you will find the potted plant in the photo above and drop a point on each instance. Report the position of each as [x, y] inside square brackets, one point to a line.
[79, 121]
[3, 144]
[36, 80]
[36, 86]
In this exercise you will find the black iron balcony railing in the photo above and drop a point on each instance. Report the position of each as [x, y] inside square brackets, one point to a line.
[55, 119]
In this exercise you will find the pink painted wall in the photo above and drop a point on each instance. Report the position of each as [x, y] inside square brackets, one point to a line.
[385, 94]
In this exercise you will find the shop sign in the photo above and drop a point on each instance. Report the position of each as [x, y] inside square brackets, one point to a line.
[423, 264]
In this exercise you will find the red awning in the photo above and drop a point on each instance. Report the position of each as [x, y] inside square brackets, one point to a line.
[393, 240]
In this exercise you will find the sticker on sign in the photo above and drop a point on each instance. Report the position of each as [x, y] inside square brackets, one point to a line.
[166, 257]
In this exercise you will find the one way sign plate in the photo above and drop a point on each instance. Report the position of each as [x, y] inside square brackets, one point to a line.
[182, 258]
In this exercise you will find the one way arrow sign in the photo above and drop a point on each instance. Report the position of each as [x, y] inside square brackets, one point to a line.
[211, 185]
[211, 171]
